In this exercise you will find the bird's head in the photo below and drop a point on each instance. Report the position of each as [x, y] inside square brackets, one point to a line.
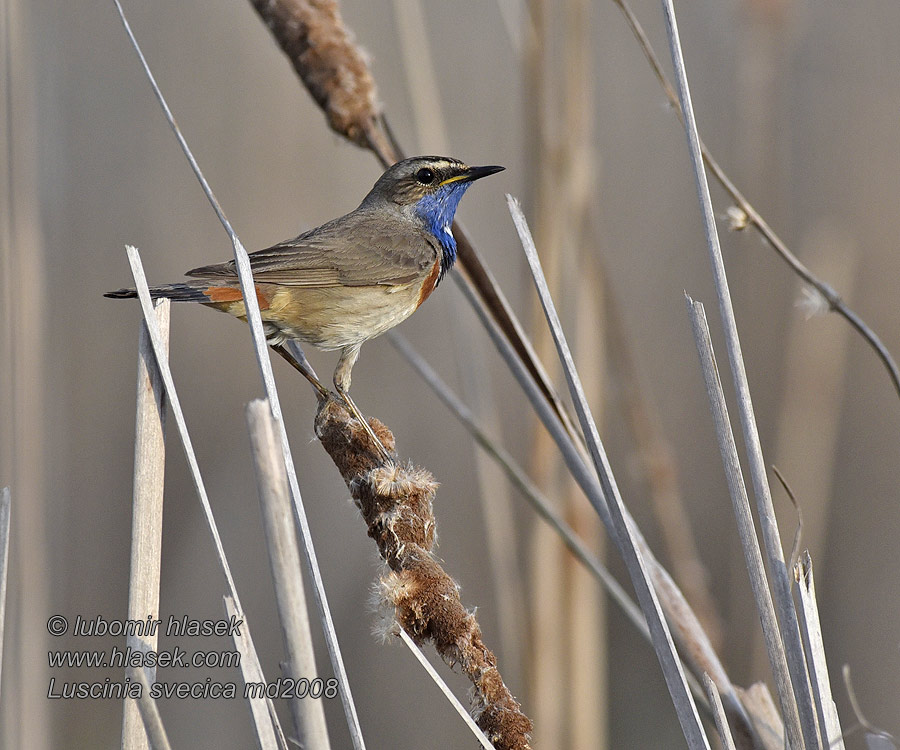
[429, 188]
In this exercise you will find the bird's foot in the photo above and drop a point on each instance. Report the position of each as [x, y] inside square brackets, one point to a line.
[357, 414]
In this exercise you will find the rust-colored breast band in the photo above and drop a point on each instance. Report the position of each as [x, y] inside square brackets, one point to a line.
[430, 282]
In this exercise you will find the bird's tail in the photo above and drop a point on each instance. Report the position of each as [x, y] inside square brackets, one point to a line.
[181, 292]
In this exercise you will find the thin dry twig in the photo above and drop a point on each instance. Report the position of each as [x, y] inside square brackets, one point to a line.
[268, 728]
[444, 688]
[5, 508]
[147, 509]
[422, 599]
[861, 720]
[787, 615]
[752, 217]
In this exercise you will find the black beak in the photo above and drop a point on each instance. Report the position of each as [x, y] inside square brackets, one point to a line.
[476, 173]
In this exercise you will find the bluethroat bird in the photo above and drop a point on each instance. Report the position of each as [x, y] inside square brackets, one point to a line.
[353, 278]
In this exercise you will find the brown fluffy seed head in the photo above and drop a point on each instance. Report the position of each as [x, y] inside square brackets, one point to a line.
[331, 65]
[415, 593]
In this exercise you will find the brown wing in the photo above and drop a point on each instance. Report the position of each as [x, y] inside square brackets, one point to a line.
[359, 249]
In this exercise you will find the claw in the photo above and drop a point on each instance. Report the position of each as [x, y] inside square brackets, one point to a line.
[357, 414]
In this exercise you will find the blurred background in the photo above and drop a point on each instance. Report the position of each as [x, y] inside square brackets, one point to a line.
[799, 102]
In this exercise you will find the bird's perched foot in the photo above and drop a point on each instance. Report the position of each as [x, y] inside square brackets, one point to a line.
[378, 446]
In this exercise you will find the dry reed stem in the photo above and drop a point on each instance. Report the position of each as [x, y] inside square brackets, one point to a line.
[162, 362]
[548, 674]
[787, 615]
[715, 701]
[560, 132]
[284, 560]
[588, 714]
[147, 509]
[396, 504]
[5, 508]
[811, 629]
[744, 518]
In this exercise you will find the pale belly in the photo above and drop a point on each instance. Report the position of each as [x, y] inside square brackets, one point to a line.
[335, 317]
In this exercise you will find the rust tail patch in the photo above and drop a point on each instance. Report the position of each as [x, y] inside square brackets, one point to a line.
[233, 294]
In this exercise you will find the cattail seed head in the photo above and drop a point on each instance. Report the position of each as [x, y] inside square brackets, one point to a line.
[332, 66]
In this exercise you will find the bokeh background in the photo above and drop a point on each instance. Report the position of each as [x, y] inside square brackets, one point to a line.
[800, 103]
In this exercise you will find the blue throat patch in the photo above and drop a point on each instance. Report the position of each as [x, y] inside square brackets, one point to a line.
[437, 211]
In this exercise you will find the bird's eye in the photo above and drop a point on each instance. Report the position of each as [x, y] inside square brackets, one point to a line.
[425, 176]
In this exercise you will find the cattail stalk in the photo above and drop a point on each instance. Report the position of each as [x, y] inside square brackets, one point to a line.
[423, 600]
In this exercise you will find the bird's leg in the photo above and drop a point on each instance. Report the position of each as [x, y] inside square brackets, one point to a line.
[298, 361]
[349, 355]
